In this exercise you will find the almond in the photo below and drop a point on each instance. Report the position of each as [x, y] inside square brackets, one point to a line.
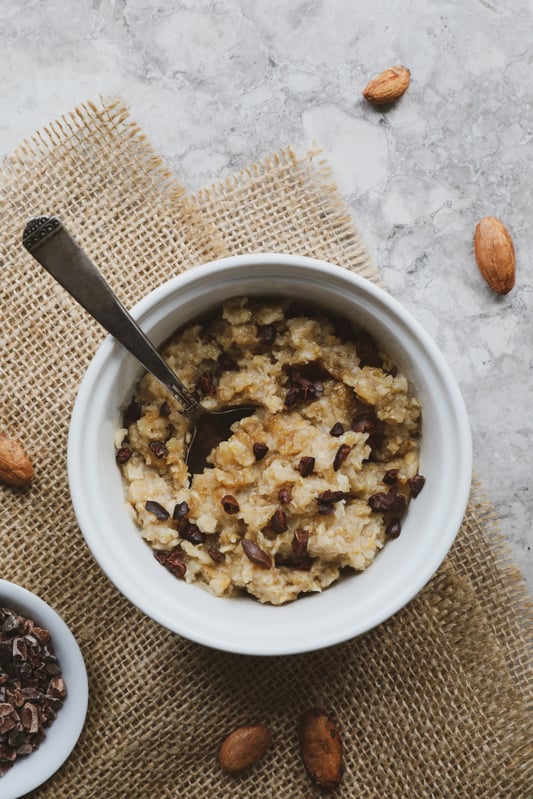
[388, 86]
[243, 747]
[321, 748]
[15, 466]
[495, 254]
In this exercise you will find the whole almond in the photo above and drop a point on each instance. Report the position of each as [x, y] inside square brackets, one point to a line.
[243, 747]
[388, 86]
[15, 466]
[495, 254]
[321, 748]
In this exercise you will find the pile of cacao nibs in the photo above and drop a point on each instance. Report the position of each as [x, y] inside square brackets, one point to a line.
[32, 689]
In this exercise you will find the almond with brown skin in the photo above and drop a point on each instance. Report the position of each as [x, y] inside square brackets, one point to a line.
[15, 466]
[388, 86]
[321, 748]
[243, 747]
[495, 254]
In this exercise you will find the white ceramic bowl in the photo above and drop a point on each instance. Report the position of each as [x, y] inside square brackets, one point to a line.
[347, 608]
[32, 770]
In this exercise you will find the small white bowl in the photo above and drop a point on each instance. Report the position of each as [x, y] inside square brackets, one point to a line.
[61, 736]
[354, 604]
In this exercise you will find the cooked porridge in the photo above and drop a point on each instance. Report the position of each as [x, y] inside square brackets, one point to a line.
[312, 484]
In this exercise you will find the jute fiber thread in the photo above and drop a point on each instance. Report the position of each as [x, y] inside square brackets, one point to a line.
[436, 702]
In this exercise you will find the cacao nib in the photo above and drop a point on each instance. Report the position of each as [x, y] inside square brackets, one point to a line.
[337, 430]
[416, 484]
[164, 409]
[299, 542]
[9, 621]
[7, 752]
[306, 465]
[340, 456]
[123, 455]
[157, 509]
[303, 387]
[17, 737]
[260, 449]
[256, 554]
[230, 504]
[7, 724]
[329, 497]
[57, 688]
[364, 419]
[391, 501]
[25, 748]
[390, 477]
[326, 508]
[284, 496]
[173, 561]
[181, 509]
[192, 533]
[158, 448]
[43, 636]
[215, 555]
[394, 528]
[20, 650]
[278, 522]
[29, 718]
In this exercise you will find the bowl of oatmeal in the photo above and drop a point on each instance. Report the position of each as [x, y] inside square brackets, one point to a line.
[325, 510]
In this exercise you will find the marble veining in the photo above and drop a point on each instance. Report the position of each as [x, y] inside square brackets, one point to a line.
[217, 84]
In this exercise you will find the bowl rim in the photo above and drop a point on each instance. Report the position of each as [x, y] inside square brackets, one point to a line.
[147, 304]
[64, 732]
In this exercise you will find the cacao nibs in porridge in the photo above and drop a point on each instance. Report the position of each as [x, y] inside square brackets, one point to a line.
[32, 689]
[313, 483]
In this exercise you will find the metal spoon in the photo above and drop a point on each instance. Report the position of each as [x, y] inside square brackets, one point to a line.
[55, 249]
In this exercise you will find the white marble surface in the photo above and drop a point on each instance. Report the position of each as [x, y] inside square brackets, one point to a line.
[218, 84]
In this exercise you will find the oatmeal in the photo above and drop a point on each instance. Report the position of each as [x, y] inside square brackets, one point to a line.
[310, 485]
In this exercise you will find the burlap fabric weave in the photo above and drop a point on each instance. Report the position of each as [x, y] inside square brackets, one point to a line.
[436, 702]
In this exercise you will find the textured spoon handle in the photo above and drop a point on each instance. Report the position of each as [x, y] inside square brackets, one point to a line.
[55, 249]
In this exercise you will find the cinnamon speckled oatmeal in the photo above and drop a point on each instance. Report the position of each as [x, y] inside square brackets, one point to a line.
[312, 484]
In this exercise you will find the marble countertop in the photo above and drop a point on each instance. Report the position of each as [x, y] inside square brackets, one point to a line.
[217, 84]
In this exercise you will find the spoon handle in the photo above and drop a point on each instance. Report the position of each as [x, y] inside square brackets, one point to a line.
[54, 248]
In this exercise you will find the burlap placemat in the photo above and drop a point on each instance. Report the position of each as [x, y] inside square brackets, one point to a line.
[436, 702]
